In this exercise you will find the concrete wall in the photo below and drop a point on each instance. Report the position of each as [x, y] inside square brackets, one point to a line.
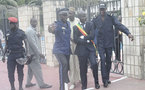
[133, 51]
[49, 16]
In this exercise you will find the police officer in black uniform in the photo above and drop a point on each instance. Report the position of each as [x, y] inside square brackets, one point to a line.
[105, 39]
[14, 45]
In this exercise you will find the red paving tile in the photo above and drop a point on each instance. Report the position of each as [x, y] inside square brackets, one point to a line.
[51, 76]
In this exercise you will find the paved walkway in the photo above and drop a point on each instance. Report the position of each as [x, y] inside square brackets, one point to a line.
[50, 74]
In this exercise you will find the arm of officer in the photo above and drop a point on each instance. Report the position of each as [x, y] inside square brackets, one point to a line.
[58, 28]
[32, 42]
[25, 42]
[27, 47]
[52, 27]
[91, 35]
[76, 36]
[122, 28]
[94, 23]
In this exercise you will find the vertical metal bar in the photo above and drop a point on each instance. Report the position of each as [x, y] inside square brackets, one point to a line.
[4, 23]
[89, 13]
[57, 18]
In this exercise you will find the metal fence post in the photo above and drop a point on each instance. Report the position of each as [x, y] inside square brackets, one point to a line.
[88, 13]
[57, 17]
[4, 23]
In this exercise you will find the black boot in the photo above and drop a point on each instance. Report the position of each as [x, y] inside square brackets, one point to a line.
[20, 88]
[109, 82]
[84, 87]
[13, 88]
[105, 84]
[97, 86]
[20, 85]
[95, 75]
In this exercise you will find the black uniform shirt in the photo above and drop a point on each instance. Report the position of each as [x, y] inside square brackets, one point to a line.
[15, 40]
[105, 35]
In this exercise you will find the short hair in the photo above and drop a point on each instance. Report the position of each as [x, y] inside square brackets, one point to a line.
[33, 19]
[80, 13]
[63, 10]
[71, 9]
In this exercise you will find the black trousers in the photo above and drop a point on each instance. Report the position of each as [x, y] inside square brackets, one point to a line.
[11, 66]
[83, 62]
[63, 69]
[105, 56]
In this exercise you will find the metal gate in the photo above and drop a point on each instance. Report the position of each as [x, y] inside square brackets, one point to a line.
[92, 8]
[3, 22]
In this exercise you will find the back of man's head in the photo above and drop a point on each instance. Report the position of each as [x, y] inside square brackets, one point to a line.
[80, 13]
[71, 9]
[33, 22]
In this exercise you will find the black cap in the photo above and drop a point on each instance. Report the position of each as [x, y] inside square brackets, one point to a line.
[63, 10]
[102, 5]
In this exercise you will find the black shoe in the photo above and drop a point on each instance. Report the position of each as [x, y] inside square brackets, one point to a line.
[45, 86]
[21, 88]
[13, 88]
[97, 86]
[30, 85]
[83, 88]
[109, 82]
[106, 84]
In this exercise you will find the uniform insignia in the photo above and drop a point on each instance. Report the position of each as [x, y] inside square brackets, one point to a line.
[63, 28]
[110, 14]
[7, 34]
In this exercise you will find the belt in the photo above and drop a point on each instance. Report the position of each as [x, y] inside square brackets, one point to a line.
[16, 51]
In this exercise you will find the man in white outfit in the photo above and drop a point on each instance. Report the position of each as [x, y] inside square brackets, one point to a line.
[74, 63]
[34, 68]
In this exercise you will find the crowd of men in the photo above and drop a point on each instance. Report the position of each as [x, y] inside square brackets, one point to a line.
[74, 48]
[74, 44]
